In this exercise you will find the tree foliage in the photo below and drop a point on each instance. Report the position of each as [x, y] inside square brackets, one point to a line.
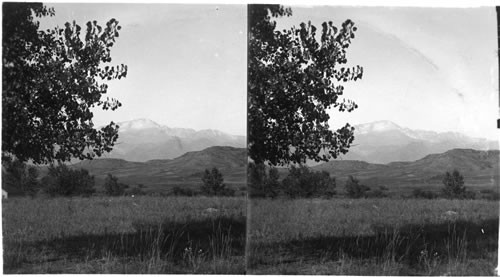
[112, 187]
[294, 78]
[354, 189]
[213, 183]
[262, 182]
[20, 175]
[454, 185]
[303, 182]
[52, 79]
[64, 181]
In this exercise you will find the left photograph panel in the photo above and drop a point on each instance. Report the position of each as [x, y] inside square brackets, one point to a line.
[124, 138]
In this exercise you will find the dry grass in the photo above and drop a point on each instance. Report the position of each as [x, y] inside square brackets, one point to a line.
[373, 237]
[124, 235]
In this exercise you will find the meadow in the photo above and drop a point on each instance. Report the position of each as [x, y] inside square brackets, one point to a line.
[373, 236]
[124, 235]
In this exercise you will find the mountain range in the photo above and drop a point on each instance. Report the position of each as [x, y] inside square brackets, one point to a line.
[142, 140]
[382, 142]
[385, 142]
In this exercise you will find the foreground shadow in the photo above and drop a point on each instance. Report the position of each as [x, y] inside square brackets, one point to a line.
[213, 237]
[408, 244]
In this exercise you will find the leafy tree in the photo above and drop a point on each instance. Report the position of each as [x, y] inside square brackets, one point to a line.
[354, 189]
[303, 182]
[64, 181]
[293, 80]
[454, 185]
[272, 186]
[18, 174]
[112, 187]
[263, 183]
[213, 182]
[51, 80]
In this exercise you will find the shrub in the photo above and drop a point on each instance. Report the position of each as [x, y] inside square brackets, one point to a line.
[112, 187]
[19, 175]
[178, 191]
[419, 193]
[469, 195]
[376, 193]
[262, 183]
[354, 189]
[227, 192]
[454, 185]
[213, 182]
[135, 191]
[494, 195]
[302, 182]
[65, 181]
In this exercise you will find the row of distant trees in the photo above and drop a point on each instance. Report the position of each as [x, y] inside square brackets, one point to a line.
[302, 182]
[62, 180]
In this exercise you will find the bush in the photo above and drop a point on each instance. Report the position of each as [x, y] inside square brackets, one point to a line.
[135, 191]
[178, 191]
[354, 189]
[213, 183]
[494, 195]
[227, 192]
[376, 193]
[453, 184]
[262, 183]
[112, 187]
[419, 193]
[64, 181]
[302, 182]
[469, 195]
[21, 176]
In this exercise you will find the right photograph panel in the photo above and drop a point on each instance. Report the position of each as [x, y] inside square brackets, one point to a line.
[372, 140]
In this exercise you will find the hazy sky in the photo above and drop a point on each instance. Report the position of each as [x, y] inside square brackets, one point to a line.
[186, 63]
[424, 68]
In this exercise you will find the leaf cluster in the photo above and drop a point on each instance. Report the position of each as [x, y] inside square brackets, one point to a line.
[19, 175]
[294, 79]
[304, 183]
[213, 184]
[454, 185]
[354, 189]
[52, 79]
[64, 181]
[112, 187]
[263, 182]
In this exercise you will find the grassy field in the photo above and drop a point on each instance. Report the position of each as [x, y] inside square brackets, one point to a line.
[373, 237]
[124, 235]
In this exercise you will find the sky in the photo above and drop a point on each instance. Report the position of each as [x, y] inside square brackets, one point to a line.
[424, 68]
[186, 63]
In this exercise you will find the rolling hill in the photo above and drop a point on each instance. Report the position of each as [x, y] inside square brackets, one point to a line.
[184, 170]
[478, 167]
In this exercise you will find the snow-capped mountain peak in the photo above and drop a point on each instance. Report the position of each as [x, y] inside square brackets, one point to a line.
[377, 126]
[138, 124]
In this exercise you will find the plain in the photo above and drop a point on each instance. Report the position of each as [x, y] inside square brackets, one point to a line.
[380, 236]
[124, 235]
